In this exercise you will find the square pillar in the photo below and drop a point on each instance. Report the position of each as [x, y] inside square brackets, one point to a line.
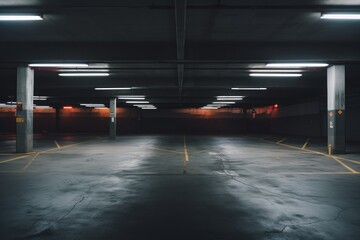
[113, 118]
[336, 108]
[24, 110]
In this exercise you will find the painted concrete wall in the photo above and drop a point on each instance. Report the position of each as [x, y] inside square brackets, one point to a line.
[310, 119]
[305, 119]
[133, 121]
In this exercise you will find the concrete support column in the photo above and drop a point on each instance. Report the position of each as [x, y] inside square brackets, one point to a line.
[24, 110]
[113, 118]
[336, 108]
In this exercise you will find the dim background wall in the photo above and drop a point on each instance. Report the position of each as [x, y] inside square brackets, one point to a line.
[310, 119]
[133, 121]
[304, 119]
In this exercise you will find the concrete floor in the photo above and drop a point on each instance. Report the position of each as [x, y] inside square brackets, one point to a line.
[157, 187]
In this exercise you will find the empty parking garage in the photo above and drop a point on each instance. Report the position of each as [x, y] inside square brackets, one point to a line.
[172, 119]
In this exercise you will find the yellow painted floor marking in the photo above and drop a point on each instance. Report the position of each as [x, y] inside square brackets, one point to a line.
[53, 149]
[282, 140]
[348, 160]
[15, 158]
[185, 151]
[30, 162]
[164, 150]
[305, 144]
[344, 165]
[186, 160]
[320, 153]
[57, 144]
[16, 154]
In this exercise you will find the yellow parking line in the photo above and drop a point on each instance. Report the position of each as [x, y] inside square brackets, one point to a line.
[316, 152]
[186, 158]
[320, 153]
[16, 154]
[305, 144]
[57, 144]
[45, 151]
[30, 162]
[38, 153]
[344, 165]
[348, 160]
[185, 151]
[15, 158]
[282, 140]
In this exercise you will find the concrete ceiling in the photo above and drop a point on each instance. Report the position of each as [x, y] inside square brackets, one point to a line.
[183, 61]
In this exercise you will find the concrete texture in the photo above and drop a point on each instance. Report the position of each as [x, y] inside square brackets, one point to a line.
[24, 109]
[162, 187]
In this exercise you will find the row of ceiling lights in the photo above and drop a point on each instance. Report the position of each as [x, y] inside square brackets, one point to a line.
[274, 72]
[32, 17]
[222, 101]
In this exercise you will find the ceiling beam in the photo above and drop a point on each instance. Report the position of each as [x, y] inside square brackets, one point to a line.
[163, 53]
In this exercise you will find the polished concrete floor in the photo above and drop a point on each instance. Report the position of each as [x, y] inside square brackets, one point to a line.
[176, 187]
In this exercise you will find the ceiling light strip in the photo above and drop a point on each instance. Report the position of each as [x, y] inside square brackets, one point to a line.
[249, 89]
[275, 74]
[58, 65]
[296, 65]
[21, 17]
[84, 74]
[113, 88]
[341, 16]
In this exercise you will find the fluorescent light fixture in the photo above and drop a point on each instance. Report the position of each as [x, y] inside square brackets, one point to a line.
[67, 107]
[92, 105]
[136, 102]
[296, 65]
[20, 18]
[230, 96]
[84, 74]
[83, 70]
[101, 108]
[145, 106]
[43, 107]
[11, 103]
[112, 89]
[148, 108]
[58, 65]
[135, 96]
[224, 102]
[275, 70]
[3, 105]
[249, 89]
[232, 99]
[218, 104]
[209, 108]
[131, 98]
[275, 74]
[341, 16]
[40, 98]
